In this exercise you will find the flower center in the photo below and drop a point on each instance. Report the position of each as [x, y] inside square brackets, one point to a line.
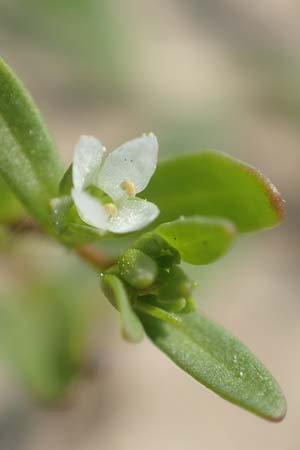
[129, 187]
[111, 209]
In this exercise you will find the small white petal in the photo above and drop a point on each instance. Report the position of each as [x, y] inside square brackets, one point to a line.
[90, 210]
[87, 159]
[135, 162]
[133, 214]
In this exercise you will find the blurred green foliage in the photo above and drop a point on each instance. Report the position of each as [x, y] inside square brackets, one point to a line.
[29, 162]
[10, 209]
[44, 328]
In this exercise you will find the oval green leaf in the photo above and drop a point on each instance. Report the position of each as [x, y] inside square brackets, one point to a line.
[199, 240]
[214, 184]
[218, 360]
[28, 159]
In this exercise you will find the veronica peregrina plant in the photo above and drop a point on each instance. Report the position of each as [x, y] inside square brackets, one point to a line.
[190, 209]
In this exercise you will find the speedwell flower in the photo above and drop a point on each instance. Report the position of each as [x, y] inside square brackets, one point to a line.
[119, 175]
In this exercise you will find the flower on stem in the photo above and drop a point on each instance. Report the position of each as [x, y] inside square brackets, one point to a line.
[119, 175]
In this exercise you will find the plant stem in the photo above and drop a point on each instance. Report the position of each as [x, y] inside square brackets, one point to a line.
[23, 225]
[94, 257]
[89, 253]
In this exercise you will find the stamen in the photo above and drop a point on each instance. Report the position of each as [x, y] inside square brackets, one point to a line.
[111, 209]
[129, 188]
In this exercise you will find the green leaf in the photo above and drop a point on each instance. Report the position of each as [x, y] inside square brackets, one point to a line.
[218, 360]
[10, 209]
[199, 240]
[157, 248]
[214, 184]
[28, 160]
[116, 293]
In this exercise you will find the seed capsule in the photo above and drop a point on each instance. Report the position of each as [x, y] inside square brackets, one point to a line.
[137, 269]
[174, 285]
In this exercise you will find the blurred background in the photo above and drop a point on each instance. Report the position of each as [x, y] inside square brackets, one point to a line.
[207, 74]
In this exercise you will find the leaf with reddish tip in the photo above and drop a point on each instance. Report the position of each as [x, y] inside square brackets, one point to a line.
[214, 184]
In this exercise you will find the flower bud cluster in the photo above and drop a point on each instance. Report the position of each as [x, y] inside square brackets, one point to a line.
[151, 272]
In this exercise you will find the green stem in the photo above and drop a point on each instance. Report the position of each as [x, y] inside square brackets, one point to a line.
[97, 259]
[158, 313]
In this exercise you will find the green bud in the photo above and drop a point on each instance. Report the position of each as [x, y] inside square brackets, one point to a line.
[157, 248]
[174, 285]
[137, 268]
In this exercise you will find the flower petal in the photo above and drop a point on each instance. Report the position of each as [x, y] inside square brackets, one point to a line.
[87, 159]
[90, 210]
[133, 214]
[134, 161]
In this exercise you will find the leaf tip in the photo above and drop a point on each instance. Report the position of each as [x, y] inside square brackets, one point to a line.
[275, 198]
[276, 418]
[133, 337]
[230, 228]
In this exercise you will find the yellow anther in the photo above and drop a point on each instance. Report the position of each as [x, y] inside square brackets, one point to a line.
[129, 188]
[111, 209]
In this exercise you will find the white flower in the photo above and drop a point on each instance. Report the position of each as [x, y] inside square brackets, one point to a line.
[120, 175]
